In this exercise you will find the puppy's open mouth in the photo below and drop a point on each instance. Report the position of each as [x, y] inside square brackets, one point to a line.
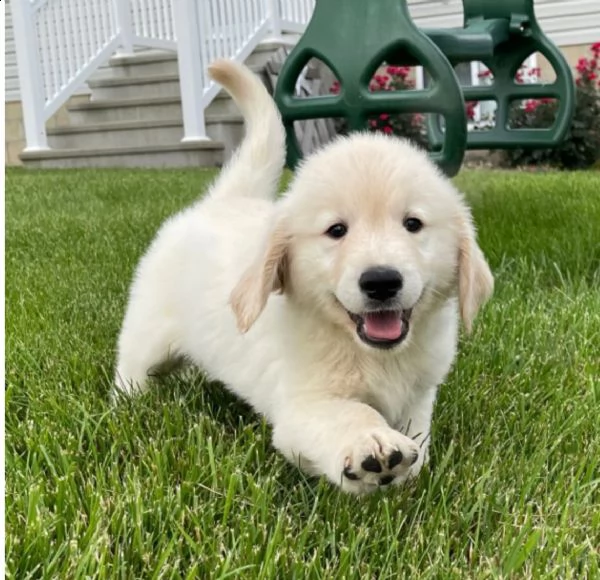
[382, 329]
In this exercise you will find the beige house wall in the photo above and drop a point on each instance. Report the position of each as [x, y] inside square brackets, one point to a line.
[572, 53]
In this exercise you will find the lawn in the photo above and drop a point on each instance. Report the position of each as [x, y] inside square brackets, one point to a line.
[183, 482]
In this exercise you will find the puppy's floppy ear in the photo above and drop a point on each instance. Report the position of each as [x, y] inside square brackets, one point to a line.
[475, 280]
[267, 274]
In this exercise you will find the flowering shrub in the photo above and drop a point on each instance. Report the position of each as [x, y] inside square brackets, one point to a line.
[581, 148]
[409, 126]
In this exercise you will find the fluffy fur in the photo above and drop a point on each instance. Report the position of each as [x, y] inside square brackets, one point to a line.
[254, 291]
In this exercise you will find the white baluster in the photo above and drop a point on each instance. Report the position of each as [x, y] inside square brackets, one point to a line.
[30, 75]
[189, 52]
[160, 24]
[222, 30]
[137, 27]
[238, 27]
[66, 40]
[274, 15]
[105, 11]
[151, 16]
[54, 66]
[83, 45]
[124, 25]
[229, 28]
[89, 20]
[144, 19]
[59, 37]
[207, 31]
[74, 33]
[167, 16]
[96, 25]
[45, 57]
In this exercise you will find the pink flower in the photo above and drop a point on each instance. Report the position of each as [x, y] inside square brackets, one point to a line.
[592, 76]
[531, 106]
[582, 65]
[470, 109]
[335, 87]
[384, 116]
[593, 64]
[519, 76]
[485, 73]
[372, 123]
[596, 48]
[387, 130]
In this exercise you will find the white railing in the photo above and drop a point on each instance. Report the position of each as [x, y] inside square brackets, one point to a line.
[152, 23]
[61, 43]
[213, 29]
[295, 14]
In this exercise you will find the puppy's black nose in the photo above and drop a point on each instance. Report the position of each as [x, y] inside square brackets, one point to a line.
[380, 283]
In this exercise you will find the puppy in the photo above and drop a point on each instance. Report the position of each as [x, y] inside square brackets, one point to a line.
[333, 311]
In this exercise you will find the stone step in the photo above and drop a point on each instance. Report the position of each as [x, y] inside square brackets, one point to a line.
[113, 110]
[151, 86]
[142, 133]
[200, 154]
[116, 134]
[141, 109]
[163, 62]
[143, 64]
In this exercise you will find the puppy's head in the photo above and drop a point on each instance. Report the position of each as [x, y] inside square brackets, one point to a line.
[369, 234]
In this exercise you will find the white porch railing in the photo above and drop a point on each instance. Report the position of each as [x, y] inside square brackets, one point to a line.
[61, 43]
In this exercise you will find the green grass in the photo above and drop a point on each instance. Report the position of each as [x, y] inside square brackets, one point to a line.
[183, 483]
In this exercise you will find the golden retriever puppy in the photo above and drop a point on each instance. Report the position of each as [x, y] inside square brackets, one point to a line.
[333, 311]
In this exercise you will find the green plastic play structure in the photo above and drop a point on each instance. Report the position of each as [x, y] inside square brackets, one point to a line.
[354, 37]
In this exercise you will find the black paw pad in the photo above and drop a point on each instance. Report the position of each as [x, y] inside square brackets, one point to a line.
[395, 459]
[414, 457]
[348, 474]
[386, 480]
[371, 463]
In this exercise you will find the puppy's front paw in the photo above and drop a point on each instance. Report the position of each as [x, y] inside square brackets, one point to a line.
[378, 458]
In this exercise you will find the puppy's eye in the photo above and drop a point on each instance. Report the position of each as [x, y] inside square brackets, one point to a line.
[337, 231]
[413, 225]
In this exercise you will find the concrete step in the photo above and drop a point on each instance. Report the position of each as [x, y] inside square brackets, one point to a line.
[264, 51]
[116, 134]
[114, 110]
[141, 109]
[151, 86]
[162, 62]
[201, 154]
[144, 64]
[226, 129]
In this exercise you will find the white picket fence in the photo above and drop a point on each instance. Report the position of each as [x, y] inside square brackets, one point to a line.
[61, 43]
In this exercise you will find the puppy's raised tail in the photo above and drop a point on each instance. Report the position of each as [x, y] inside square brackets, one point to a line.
[256, 166]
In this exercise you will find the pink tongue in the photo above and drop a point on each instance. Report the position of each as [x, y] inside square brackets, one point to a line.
[383, 325]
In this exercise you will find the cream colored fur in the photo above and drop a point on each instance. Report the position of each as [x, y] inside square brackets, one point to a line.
[251, 290]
